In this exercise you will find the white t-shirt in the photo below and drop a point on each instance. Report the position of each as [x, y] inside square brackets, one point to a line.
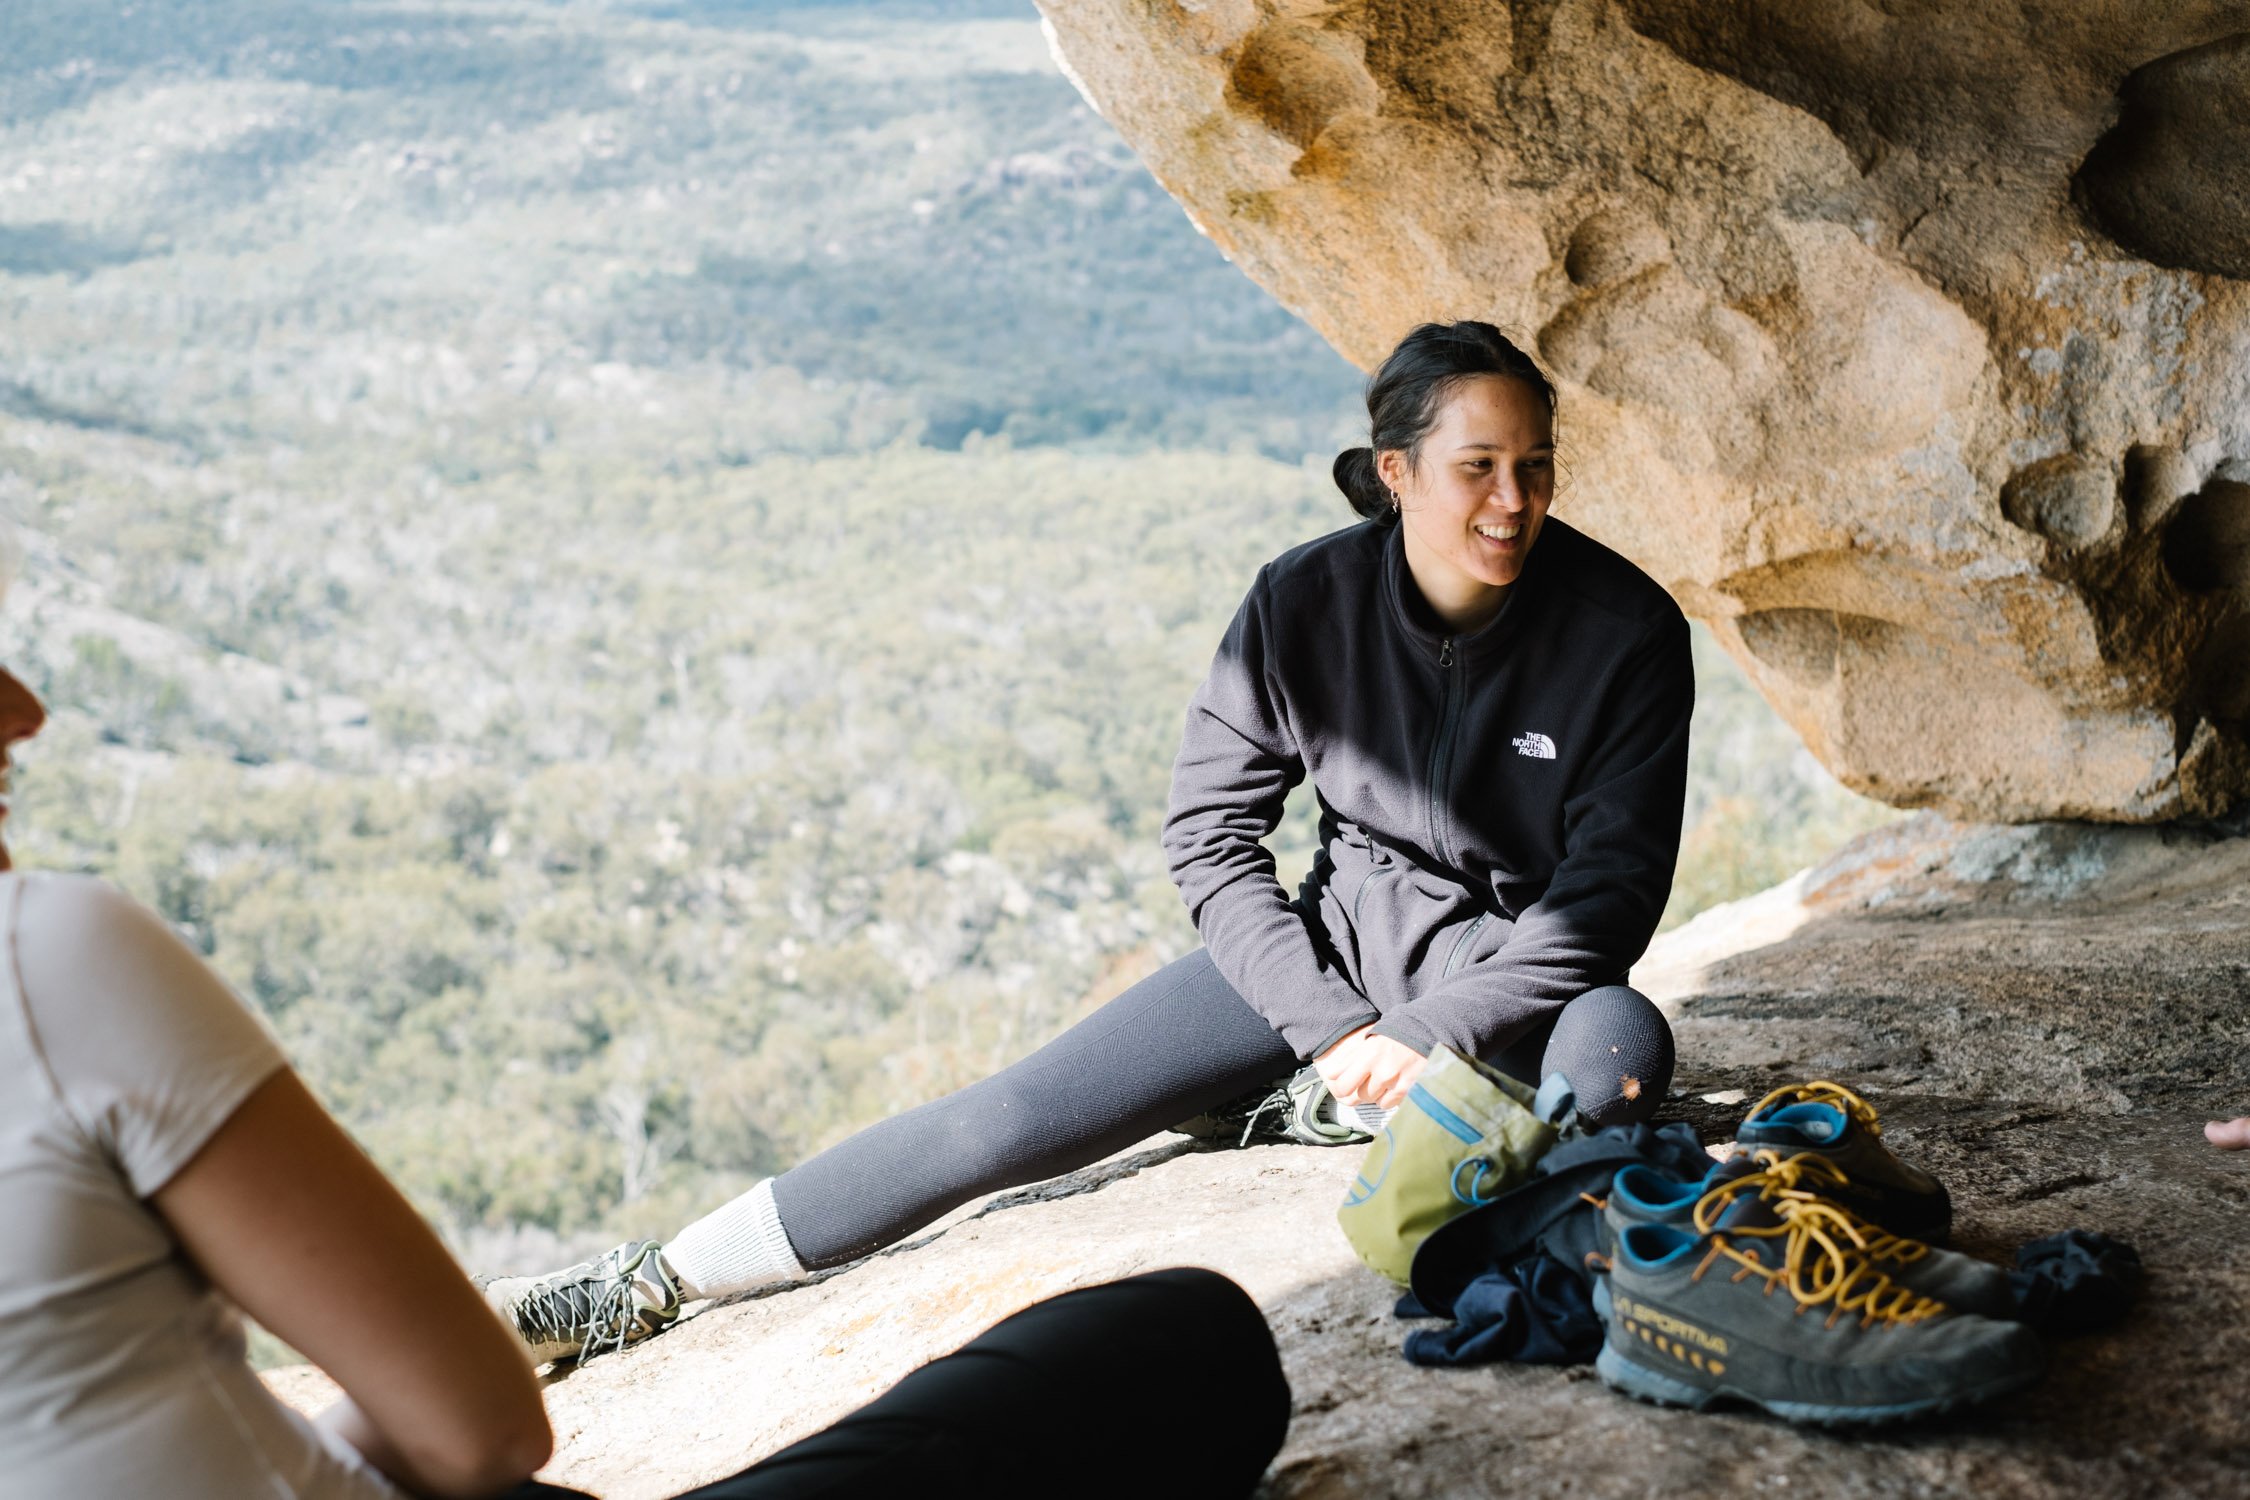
[122, 1371]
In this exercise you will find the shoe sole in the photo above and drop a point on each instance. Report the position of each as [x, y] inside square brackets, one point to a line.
[1658, 1389]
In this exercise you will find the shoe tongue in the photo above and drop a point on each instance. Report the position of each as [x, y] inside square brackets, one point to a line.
[1799, 1124]
[1747, 1211]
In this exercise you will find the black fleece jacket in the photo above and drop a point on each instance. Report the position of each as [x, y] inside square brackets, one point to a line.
[1499, 812]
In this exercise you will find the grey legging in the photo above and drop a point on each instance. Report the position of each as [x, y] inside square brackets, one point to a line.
[1178, 1043]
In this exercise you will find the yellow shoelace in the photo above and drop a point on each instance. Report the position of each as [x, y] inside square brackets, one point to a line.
[1826, 1252]
[1821, 1091]
[1805, 1178]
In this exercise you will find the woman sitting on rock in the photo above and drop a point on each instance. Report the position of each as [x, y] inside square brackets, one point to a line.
[160, 1166]
[1493, 709]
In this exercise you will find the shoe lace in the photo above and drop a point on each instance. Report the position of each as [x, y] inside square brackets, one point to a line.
[1825, 1251]
[1278, 1099]
[596, 1310]
[1299, 1101]
[1783, 1184]
[1821, 1091]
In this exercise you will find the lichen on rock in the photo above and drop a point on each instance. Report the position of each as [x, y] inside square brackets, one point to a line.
[1905, 345]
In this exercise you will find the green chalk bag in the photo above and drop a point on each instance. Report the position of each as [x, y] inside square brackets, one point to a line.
[1466, 1134]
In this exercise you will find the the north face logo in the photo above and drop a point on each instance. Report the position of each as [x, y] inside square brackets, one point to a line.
[1537, 746]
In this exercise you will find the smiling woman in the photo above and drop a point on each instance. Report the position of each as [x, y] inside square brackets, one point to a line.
[1493, 711]
[1466, 896]
[1483, 414]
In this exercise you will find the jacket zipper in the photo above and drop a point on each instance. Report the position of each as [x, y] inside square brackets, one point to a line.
[1461, 943]
[1441, 748]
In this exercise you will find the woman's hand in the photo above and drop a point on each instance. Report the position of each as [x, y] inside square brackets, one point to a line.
[1364, 1068]
[2228, 1135]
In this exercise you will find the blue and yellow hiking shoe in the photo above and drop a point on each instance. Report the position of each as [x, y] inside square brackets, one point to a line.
[1963, 1283]
[1784, 1311]
[619, 1297]
[1836, 1123]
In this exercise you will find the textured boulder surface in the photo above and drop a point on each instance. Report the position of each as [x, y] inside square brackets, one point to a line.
[2044, 1015]
[1906, 343]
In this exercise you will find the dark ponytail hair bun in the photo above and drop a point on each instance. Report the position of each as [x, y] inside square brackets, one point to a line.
[1406, 395]
[1356, 477]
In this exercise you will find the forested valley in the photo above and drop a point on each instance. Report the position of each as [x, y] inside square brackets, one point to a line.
[629, 572]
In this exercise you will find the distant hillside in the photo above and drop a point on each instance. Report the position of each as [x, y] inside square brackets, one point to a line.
[811, 229]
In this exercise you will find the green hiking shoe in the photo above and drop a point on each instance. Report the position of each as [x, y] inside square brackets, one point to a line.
[1831, 1120]
[1786, 1314]
[1301, 1109]
[1963, 1283]
[619, 1297]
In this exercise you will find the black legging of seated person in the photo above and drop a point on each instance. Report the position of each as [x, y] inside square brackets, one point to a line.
[1165, 1384]
[1178, 1043]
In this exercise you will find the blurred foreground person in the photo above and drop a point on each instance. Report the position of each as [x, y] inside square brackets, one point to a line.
[161, 1166]
[1493, 709]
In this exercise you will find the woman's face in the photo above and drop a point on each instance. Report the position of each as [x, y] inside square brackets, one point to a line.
[20, 718]
[1471, 508]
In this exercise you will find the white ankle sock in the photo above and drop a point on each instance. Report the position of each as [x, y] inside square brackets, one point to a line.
[734, 1248]
[1368, 1117]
